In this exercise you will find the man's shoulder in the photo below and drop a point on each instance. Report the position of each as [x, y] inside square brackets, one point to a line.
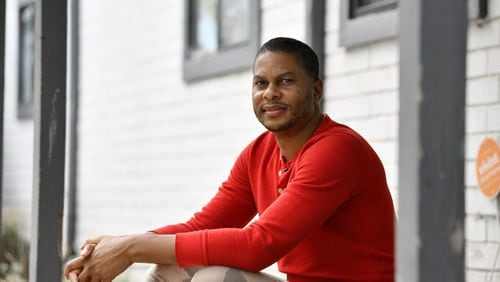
[330, 130]
[338, 139]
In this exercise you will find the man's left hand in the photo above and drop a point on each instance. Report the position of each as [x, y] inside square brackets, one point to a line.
[108, 259]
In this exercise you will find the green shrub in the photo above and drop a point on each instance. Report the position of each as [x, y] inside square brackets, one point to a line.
[14, 255]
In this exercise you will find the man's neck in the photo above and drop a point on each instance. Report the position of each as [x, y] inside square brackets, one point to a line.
[291, 141]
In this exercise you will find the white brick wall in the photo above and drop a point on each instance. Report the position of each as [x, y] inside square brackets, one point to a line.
[482, 90]
[493, 63]
[475, 228]
[152, 149]
[483, 36]
[482, 121]
[283, 18]
[493, 229]
[493, 117]
[477, 63]
[476, 120]
[481, 256]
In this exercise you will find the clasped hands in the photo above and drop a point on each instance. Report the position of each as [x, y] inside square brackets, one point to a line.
[101, 260]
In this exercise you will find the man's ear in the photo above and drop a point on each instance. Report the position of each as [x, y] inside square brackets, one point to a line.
[318, 90]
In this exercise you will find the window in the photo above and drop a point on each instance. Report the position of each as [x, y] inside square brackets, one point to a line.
[365, 21]
[221, 37]
[26, 60]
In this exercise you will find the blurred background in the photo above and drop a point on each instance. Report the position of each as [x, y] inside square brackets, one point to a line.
[161, 100]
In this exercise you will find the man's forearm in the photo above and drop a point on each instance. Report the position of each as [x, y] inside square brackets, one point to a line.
[152, 248]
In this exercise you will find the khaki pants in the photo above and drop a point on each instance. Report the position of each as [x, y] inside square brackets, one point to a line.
[173, 273]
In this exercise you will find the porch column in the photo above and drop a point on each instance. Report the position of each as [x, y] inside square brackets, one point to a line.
[49, 152]
[2, 80]
[430, 241]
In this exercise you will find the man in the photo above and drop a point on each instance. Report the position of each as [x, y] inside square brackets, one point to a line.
[325, 212]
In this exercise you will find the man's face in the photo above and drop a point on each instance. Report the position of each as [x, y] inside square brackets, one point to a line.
[284, 95]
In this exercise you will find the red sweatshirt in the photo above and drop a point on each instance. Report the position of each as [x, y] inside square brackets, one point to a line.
[325, 215]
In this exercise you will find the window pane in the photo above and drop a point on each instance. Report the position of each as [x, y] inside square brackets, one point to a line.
[361, 3]
[235, 22]
[364, 7]
[26, 55]
[205, 21]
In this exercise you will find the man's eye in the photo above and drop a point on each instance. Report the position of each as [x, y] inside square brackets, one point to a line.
[260, 83]
[286, 81]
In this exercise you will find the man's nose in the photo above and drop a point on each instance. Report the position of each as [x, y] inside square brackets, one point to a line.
[271, 92]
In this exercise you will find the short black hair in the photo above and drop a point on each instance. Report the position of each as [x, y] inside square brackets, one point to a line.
[304, 54]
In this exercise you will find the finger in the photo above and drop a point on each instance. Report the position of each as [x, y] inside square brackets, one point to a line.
[87, 250]
[94, 241]
[83, 245]
[73, 264]
[73, 275]
[85, 275]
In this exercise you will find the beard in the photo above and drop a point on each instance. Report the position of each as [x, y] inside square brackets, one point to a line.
[292, 116]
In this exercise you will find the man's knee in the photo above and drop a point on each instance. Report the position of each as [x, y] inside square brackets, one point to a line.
[228, 274]
[167, 273]
[170, 273]
[216, 274]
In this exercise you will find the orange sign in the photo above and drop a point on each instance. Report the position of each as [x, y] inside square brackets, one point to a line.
[488, 168]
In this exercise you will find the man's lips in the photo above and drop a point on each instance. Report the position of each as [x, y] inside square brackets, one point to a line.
[273, 110]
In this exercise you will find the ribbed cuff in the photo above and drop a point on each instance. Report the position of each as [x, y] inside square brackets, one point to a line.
[190, 248]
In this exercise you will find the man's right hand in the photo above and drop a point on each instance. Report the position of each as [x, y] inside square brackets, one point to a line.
[75, 266]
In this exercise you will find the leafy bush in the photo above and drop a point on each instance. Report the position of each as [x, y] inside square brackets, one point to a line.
[14, 255]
